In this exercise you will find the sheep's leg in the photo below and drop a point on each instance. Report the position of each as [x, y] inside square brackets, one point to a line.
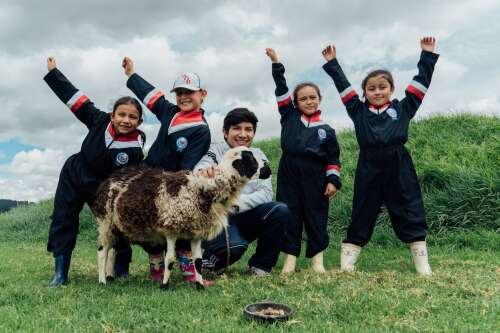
[196, 249]
[106, 242]
[102, 258]
[110, 264]
[169, 262]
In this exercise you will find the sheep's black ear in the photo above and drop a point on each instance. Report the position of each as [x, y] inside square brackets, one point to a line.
[247, 165]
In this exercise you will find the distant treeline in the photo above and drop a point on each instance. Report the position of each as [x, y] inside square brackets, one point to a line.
[6, 204]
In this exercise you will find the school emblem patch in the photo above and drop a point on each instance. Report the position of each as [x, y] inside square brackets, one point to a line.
[181, 143]
[321, 134]
[392, 113]
[121, 159]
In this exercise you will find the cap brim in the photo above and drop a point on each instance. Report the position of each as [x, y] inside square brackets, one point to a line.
[185, 87]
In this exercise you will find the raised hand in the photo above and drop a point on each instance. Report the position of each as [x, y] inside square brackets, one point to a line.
[51, 63]
[329, 52]
[272, 55]
[428, 43]
[128, 66]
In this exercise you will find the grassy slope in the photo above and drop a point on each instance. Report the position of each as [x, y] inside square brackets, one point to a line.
[457, 160]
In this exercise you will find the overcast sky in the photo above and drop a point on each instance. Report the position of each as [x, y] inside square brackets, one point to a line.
[224, 42]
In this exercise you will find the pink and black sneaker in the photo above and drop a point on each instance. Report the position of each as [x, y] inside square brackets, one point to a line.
[187, 268]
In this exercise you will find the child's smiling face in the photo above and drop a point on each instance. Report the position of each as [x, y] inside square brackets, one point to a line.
[125, 119]
[189, 100]
[308, 100]
[378, 90]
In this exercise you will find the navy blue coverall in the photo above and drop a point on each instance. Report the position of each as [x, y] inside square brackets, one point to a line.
[309, 161]
[102, 152]
[183, 139]
[385, 171]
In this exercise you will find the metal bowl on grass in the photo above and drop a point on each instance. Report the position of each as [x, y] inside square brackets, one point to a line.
[268, 312]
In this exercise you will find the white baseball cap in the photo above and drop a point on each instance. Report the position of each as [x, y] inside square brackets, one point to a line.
[190, 81]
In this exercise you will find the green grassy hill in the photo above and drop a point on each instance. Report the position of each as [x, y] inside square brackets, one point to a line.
[457, 159]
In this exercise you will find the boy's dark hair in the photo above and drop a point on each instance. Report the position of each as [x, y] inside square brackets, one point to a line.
[303, 85]
[128, 100]
[384, 72]
[238, 115]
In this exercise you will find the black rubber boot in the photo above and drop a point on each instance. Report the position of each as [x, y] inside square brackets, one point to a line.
[122, 262]
[62, 263]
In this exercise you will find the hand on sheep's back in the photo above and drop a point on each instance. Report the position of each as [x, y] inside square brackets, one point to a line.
[208, 172]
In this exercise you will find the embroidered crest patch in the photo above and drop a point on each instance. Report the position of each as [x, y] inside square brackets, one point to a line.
[121, 159]
[181, 143]
[321, 134]
[392, 113]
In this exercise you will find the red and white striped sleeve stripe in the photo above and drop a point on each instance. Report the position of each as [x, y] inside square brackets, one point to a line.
[417, 89]
[347, 94]
[333, 169]
[284, 99]
[76, 101]
[152, 97]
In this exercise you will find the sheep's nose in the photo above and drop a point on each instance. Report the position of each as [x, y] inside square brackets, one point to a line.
[265, 171]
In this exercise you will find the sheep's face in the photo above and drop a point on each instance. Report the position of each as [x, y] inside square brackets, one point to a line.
[246, 164]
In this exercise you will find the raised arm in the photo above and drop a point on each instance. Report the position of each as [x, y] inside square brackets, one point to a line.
[77, 102]
[153, 98]
[285, 105]
[347, 93]
[416, 90]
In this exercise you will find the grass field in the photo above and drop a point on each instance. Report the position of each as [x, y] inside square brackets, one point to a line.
[457, 159]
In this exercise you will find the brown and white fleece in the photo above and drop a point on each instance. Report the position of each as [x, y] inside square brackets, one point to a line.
[153, 206]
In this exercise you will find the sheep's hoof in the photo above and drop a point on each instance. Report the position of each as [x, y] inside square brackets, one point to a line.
[110, 278]
[165, 286]
[200, 286]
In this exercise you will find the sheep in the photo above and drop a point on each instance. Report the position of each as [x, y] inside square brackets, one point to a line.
[150, 206]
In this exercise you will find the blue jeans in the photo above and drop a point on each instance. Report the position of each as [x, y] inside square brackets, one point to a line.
[264, 223]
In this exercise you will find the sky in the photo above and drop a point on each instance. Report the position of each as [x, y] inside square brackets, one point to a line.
[224, 42]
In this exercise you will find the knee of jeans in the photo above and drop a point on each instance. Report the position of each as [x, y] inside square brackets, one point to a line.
[237, 250]
[281, 213]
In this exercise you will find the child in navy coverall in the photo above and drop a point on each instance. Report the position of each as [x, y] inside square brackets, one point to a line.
[113, 141]
[385, 171]
[183, 139]
[309, 169]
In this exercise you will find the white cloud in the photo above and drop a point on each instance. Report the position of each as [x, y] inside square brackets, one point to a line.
[32, 174]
